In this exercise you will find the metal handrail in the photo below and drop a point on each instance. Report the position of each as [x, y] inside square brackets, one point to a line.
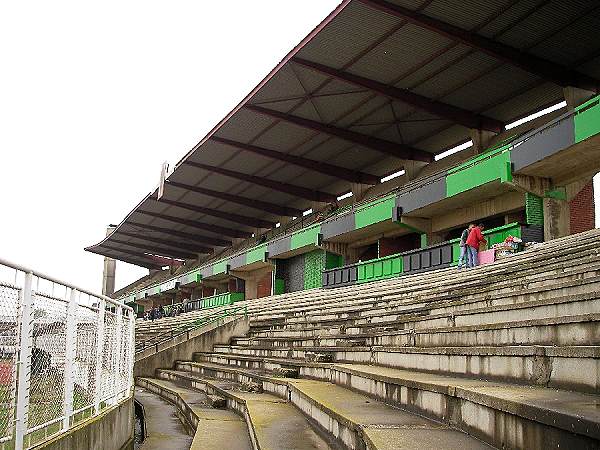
[156, 340]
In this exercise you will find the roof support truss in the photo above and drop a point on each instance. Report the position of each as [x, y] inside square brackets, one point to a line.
[156, 250]
[443, 110]
[139, 259]
[401, 151]
[237, 218]
[248, 202]
[179, 245]
[292, 189]
[342, 173]
[200, 225]
[543, 68]
[189, 236]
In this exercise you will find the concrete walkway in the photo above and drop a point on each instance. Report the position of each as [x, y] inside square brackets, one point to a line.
[163, 427]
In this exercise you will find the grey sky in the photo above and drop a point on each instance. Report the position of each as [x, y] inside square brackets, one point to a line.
[94, 96]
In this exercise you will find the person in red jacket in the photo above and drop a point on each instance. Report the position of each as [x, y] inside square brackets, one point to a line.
[473, 241]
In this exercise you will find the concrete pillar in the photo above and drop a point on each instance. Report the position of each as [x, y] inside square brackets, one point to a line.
[576, 96]
[359, 191]
[434, 238]
[108, 274]
[556, 218]
[412, 169]
[481, 140]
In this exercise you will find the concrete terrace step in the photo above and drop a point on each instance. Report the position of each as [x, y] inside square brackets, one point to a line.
[273, 422]
[225, 428]
[354, 420]
[582, 329]
[504, 415]
[585, 303]
[453, 286]
[570, 368]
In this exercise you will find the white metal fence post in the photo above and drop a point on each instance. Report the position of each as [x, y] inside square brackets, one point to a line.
[131, 361]
[99, 355]
[24, 364]
[119, 351]
[70, 354]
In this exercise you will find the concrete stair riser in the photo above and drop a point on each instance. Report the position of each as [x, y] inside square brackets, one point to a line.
[521, 427]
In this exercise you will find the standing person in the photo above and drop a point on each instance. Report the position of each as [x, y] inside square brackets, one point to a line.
[463, 245]
[473, 241]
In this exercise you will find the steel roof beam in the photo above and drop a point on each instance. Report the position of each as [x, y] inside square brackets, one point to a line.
[341, 173]
[156, 250]
[189, 236]
[232, 217]
[142, 256]
[170, 243]
[543, 68]
[291, 189]
[401, 151]
[245, 201]
[200, 225]
[445, 111]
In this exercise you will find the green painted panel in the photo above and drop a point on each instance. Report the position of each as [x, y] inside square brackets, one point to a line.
[479, 171]
[314, 263]
[375, 212]
[220, 267]
[308, 236]
[423, 240]
[332, 260]
[534, 209]
[380, 269]
[256, 254]
[279, 286]
[190, 277]
[587, 119]
[221, 299]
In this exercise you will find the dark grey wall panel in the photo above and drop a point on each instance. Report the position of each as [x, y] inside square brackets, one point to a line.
[291, 270]
[279, 246]
[237, 261]
[543, 144]
[340, 225]
[422, 196]
[532, 233]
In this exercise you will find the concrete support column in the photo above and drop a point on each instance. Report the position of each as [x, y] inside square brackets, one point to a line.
[576, 96]
[412, 169]
[556, 218]
[359, 191]
[481, 140]
[110, 267]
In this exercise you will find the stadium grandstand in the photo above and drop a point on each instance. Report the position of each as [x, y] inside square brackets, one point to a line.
[303, 289]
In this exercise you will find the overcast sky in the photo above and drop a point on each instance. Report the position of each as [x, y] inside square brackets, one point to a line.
[94, 96]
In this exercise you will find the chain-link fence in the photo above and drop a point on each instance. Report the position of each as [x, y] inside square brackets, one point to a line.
[65, 355]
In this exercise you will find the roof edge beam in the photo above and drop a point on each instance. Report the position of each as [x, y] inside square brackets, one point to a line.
[189, 236]
[443, 110]
[543, 68]
[341, 173]
[232, 217]
[291, 189]
[148, 265]
[245, 201]
[401, 151]
[200, 225]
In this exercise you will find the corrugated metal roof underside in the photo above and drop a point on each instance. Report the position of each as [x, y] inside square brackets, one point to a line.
[376, 45]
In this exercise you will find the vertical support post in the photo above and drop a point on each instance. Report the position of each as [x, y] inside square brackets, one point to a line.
[119, 352]
[99, 349]
[131, 361]
[70, 355]
[24, 363]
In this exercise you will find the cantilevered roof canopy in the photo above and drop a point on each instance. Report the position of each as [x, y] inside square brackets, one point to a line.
[376, 84]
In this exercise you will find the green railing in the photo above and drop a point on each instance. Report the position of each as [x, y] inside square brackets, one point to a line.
[186, 328]
[379, 269]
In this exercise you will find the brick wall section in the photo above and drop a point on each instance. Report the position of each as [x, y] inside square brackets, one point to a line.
[263, 287]
[582, 210]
